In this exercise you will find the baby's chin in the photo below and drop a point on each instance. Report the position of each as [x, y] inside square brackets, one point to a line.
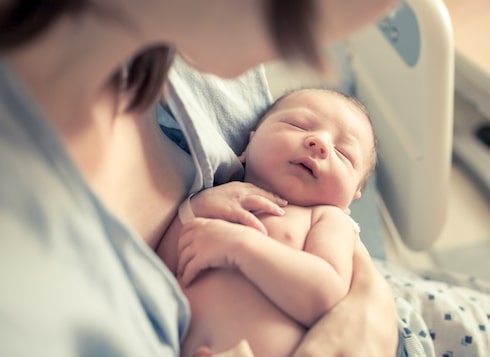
[293, 192]
[301, 200]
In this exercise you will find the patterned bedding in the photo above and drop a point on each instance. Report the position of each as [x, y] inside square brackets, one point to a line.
[440, 313]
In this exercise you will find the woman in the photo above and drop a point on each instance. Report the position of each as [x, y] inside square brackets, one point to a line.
[88, 178]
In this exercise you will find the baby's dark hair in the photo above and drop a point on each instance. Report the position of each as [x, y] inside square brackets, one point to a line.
[356, 103]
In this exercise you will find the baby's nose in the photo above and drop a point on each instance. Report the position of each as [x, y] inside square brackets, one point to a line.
[318, 146]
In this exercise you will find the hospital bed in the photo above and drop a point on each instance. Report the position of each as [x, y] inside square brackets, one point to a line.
[402, 69]
[472, 84]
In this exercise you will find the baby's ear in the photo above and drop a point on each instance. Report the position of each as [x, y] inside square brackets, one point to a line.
[242, 156]
[357, 195]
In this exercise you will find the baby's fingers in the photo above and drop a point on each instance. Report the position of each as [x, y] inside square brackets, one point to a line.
[187, 271]
[187, 277]
[186, 256]
[249, 219]
[264, 201]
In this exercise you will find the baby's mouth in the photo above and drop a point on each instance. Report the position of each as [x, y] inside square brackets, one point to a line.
[308, 166]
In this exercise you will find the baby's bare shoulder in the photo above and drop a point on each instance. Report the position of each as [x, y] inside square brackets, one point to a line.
[330, 213]
[328, 210]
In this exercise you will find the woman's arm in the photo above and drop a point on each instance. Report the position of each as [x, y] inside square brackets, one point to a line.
[363, 324]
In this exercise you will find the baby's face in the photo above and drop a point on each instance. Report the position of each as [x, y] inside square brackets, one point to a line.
[314, 148]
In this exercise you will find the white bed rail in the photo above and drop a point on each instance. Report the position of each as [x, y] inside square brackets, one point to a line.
[407, 82]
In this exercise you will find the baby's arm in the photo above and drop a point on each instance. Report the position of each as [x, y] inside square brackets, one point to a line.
[332, 238]
[367, 315]
[233, 201]
[304, 284]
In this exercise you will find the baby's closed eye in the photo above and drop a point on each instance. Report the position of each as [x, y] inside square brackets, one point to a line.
[345, 154]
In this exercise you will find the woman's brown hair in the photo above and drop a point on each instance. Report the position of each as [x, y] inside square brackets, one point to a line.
[291, 25]
[21, 21]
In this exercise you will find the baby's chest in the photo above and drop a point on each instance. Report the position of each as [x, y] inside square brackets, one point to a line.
[290, 229]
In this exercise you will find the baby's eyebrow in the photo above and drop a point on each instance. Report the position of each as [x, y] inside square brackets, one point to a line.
[348, 138]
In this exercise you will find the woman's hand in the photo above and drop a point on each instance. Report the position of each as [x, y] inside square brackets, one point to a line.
[362, 324]
[236, 202]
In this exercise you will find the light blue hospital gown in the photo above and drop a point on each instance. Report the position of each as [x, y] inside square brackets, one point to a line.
[74, 280]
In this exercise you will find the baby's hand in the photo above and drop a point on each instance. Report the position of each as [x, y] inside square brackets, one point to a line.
[237, 202]
[207, 243]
